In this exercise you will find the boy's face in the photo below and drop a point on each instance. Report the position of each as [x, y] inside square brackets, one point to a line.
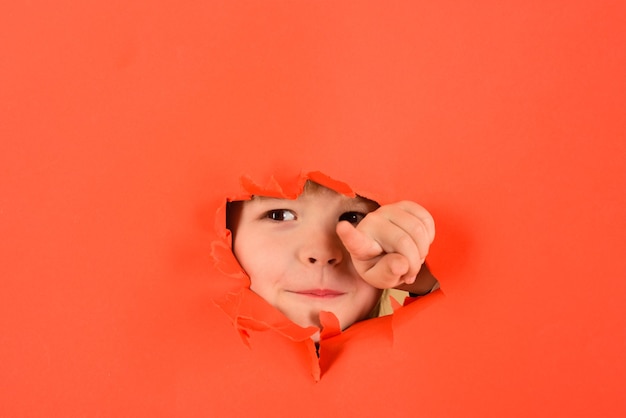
[295, 259]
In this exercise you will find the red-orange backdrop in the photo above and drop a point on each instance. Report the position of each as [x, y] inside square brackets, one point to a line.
[124, 124]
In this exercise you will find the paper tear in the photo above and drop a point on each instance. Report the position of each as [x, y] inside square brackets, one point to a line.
[290, 190]
[328, 349]
[227, 264]
[395, 305]
[330, 325]
[328, 182]
[271, 189]
[250, 313]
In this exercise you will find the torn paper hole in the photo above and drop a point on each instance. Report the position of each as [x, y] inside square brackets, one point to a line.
[299, 270]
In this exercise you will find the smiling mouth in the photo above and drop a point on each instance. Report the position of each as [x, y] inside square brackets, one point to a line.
[320, 293]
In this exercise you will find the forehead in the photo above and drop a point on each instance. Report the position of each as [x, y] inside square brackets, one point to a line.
[313, 191]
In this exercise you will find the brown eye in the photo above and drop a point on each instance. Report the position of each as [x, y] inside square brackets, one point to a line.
[353, 217]
[280, 215]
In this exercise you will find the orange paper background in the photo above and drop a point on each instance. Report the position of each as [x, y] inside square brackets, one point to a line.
[124, 125]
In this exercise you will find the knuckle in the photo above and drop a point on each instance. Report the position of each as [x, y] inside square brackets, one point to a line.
[418, 229]
[405, 244]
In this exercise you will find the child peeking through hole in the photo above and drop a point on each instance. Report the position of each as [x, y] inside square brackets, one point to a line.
[325, 251]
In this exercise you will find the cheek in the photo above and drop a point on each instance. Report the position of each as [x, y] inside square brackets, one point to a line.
[259, 258]
[249, 247]
[366, 290]
[374, 297]
[368, 297]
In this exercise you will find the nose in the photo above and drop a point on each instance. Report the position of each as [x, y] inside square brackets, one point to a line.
[320, 247]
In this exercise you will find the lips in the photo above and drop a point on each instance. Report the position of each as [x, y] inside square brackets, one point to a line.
[320, 293]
